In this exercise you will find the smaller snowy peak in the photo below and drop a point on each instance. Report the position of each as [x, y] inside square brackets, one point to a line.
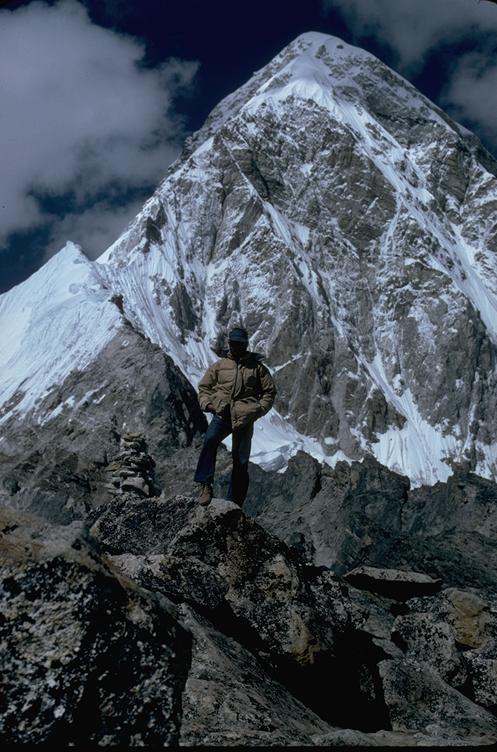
[51, 323]
[70, 262]
[55, 282]
[70, 251]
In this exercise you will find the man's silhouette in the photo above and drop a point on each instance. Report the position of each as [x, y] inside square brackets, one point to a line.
[237, 389]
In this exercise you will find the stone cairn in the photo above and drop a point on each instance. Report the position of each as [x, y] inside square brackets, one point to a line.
[133, 468]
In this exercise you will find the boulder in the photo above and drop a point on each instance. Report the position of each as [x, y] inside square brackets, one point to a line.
[469, 615]
[249, 584]
[394, 583]
[482, 670]
[184, 580]
[135, 525]
[88, 658]
[231, 699]
[460, 627]
[427, 639]
[418, 699]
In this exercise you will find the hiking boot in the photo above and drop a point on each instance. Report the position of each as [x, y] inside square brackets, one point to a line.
[205, 495]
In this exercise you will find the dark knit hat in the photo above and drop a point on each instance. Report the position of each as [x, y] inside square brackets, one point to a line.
[238, 335]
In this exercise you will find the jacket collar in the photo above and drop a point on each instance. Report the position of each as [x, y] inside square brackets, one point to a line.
[245, 358]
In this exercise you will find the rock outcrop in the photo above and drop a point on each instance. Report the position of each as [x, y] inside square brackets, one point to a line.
[393, 583]
[306, 626]
[57, 461]
[158, 622]
[88, 658]
[365, 515]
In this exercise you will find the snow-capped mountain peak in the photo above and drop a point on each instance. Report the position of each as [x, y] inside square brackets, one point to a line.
[54, 322]
[349, 224]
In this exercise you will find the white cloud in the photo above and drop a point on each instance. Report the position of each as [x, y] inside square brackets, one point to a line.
[471, 94]
[95, 229]
[414, 27]
[79, 114]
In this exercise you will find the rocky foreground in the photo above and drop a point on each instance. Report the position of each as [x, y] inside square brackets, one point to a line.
[155, 621]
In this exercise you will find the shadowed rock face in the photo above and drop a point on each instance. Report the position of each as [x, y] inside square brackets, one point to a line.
[363, 514]
[58, 468]
[342, 518]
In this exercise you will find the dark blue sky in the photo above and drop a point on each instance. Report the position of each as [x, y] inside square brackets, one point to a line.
[230, 41]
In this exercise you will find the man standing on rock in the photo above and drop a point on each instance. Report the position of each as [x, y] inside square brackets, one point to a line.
[237, 389]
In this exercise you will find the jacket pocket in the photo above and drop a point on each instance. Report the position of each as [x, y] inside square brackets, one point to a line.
[219, 402]
[245, 411]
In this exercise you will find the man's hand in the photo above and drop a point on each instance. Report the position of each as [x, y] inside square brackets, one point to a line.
[210, 408]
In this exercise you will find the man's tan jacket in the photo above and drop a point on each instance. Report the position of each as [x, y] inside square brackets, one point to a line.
[246, 386]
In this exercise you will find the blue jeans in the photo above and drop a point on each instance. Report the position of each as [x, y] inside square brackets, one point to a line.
[219, 428]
